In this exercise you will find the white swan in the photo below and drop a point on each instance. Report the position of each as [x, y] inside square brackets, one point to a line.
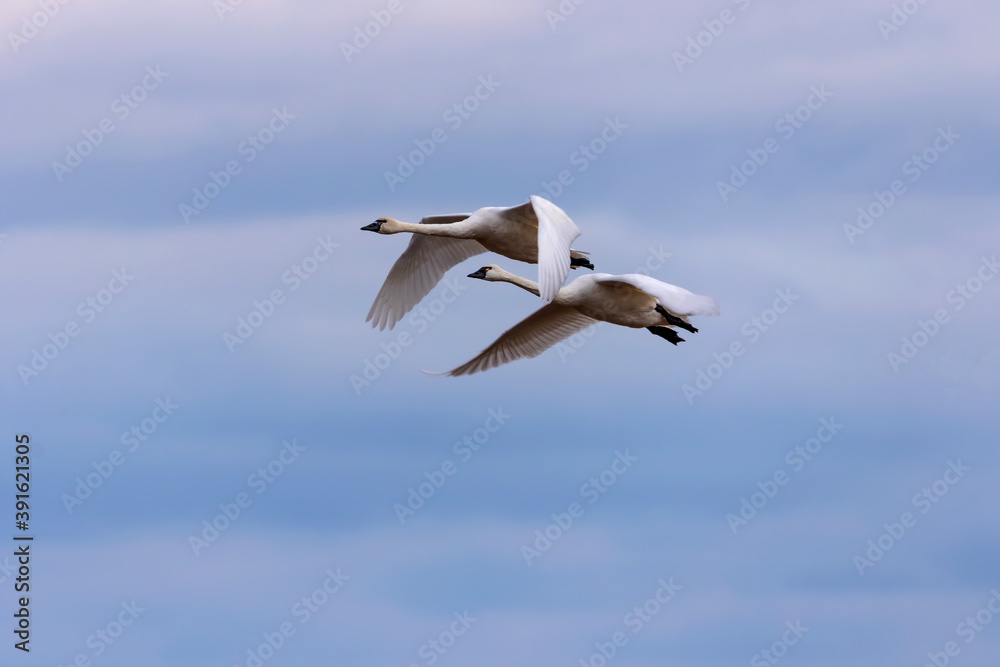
[630, 300]
[537, 232]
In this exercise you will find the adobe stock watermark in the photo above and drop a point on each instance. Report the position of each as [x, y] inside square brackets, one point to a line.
[364, 34]
[224, 8]
[419, 320]
[435, 647]
[924, 500]
[585, 155]
[105, 468]
[796, 459]
[779, 649]
[303, 611]
[105, 637]
[32, 23]
[295, 276]
[7, 569]
[926, 330]
[967, 631]
[915, 167]
[786, 127]
[259, 481]
[635, 620]
[562, 12]
[900, 16]
[654, 261]
[592, 490]
[248, 150]
[436, 478]
[454, 116]
[703, 40]
[87, 310]
[753, 329]
[121, 108]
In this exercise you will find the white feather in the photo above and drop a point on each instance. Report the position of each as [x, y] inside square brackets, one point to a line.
[677, 300]
[556, 232]
[528, 338]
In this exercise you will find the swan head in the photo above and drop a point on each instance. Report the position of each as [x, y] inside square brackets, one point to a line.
[490, 273]
[382, 226]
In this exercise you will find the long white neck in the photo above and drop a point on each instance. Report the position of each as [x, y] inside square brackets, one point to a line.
[523, 283]
[453, 230]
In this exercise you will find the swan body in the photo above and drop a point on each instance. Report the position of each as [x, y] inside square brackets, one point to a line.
[538, 232]
[630, 300]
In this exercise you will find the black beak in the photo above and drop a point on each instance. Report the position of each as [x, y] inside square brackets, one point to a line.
[374, 227]
[481, 273]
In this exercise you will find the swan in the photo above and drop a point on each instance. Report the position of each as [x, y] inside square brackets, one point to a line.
[536, 232]
[630, 300]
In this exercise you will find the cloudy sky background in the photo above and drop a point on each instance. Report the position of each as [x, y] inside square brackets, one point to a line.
[652, 191]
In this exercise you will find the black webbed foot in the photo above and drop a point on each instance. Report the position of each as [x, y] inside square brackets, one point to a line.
[667, 334]
[674, 320]
[580, 261]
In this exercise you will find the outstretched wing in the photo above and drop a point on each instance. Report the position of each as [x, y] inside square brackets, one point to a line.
[418, 270]
[555, 234]
[677, 300]
[528, 338]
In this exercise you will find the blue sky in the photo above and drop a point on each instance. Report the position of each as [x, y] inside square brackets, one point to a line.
[289, 140]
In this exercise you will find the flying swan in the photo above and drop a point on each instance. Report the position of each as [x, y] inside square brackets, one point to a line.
[630, 300]
[537, 232]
